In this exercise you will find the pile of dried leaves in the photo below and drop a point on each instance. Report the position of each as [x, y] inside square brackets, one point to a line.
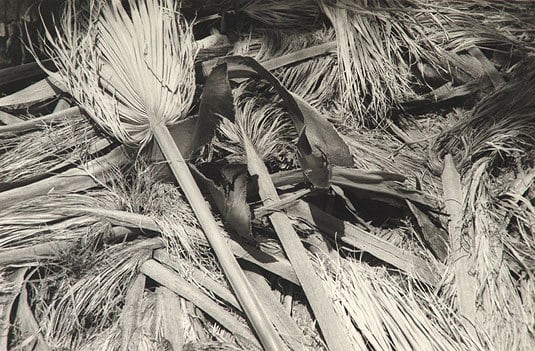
[369, 166]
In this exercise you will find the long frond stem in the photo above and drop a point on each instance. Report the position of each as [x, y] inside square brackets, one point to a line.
[241, 287]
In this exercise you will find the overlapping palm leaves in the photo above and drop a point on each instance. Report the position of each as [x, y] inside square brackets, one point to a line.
[269, 124]
[133, 72]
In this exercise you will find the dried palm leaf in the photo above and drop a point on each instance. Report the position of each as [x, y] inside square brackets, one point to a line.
[84, 302]
[493, 301]
[379, 42]
[501, 312]
[311, 76]
[133, 72]
[36, 153]
[520, 243]
[49, 218]
[380, 313]
[492, 25]
[280, 14]
[268, 126]
[374, 74]
[501, 126]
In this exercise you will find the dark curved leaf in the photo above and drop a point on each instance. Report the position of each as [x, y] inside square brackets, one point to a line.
[216, 102]
[322, 140]
[196, 131]
[315, 167]
[231, 203]
[237, 212]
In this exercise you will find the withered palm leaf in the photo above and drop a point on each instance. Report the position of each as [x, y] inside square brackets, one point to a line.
[133, 72]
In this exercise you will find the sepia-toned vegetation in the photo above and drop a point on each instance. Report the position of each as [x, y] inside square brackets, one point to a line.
[277, 175]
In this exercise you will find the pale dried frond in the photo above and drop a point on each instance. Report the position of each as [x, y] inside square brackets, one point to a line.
[49, 217]
[268, 127]
[88, 303]
[35, 153]
[130, 70]
[502, 125]
[500, 307]
[314, 79]
[379, 312]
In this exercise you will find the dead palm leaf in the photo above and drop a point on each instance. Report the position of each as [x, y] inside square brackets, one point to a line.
[502, 125]
[268, 126]
[382, 314]
[133, 72]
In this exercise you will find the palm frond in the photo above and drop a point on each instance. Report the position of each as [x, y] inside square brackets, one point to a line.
[105, 63]
[374, 74]
[281, 14]
[47, 218]
[382, 314]
[35, 153]
[268, 126]
[380, 41]
[501, 312]
[502, 125]
[88, 303]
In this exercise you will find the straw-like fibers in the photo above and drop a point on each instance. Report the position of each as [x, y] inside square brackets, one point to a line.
[380, 312]
[35, 153]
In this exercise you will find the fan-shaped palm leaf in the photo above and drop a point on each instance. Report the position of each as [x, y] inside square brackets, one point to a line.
[133, 72]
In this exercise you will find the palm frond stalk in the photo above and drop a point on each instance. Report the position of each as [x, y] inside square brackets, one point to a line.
[498, 134]
[133, 73]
